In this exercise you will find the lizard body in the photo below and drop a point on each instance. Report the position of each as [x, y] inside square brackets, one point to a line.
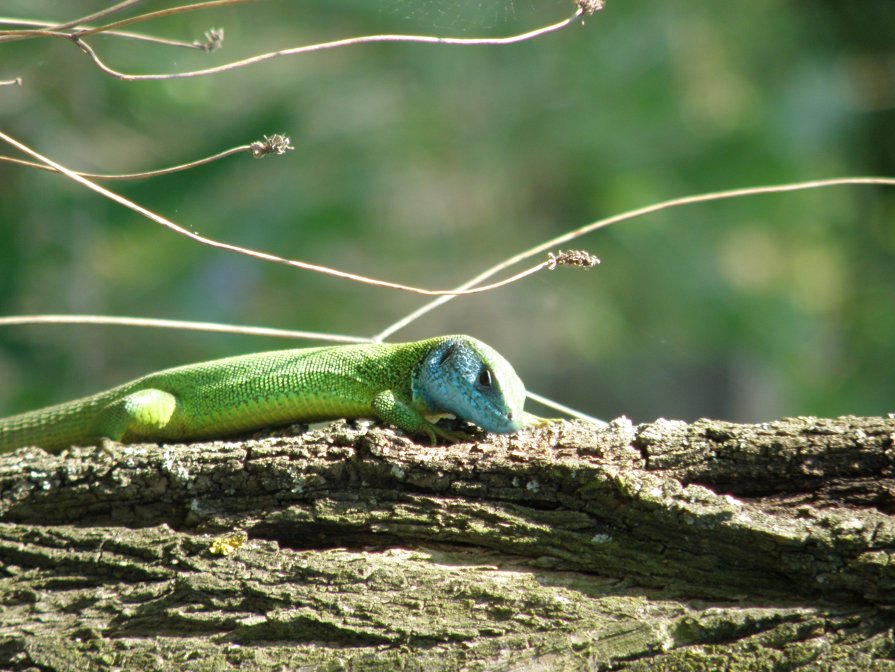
[398, 383]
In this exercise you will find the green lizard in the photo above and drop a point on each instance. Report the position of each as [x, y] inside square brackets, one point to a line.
[398, 383]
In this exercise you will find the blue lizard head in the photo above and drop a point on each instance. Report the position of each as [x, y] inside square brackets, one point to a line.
[465, 377]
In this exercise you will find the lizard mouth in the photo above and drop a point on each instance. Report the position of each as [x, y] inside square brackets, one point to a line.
[501, 423]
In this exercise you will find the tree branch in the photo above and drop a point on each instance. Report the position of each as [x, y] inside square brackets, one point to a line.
[352, 543]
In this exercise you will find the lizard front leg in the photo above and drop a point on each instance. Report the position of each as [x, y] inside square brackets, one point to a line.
[390, 408]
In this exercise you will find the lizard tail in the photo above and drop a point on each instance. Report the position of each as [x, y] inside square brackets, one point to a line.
[53, 428]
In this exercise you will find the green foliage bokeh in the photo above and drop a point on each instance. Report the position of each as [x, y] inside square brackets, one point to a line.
[425, 164]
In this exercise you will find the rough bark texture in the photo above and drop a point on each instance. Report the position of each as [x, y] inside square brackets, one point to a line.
[664, 546]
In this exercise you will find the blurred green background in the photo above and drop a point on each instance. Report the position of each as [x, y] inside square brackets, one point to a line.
[426, 164]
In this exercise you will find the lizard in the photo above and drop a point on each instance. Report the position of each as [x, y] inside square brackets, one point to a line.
[402, 384]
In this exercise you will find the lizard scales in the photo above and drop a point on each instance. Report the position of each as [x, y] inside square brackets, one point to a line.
[399, 383]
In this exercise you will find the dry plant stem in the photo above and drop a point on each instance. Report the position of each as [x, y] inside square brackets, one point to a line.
[625, 216]
[103, 13]
[47, 30]
[16, 320]
[211, 4]
[134, 176]
[56, 29]
[555, 405]
[264, 256]
[366, 39]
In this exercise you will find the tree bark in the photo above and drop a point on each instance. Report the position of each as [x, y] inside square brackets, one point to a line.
[653, 547]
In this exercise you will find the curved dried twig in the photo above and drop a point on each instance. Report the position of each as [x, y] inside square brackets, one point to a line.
[295, 51]
[615, 219]
[263, 256]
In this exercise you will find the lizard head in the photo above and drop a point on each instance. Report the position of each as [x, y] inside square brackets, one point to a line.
[471, 380]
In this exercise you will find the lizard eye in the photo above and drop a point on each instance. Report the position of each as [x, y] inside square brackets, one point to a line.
[485, 377]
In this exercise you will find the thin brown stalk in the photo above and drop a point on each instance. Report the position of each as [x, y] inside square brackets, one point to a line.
[47, 29]
[631, 214]
[57, 29]
[263, 256]
[101, 14]
[19, 320]
[161, 13]
[254, 149]
[351, 41]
